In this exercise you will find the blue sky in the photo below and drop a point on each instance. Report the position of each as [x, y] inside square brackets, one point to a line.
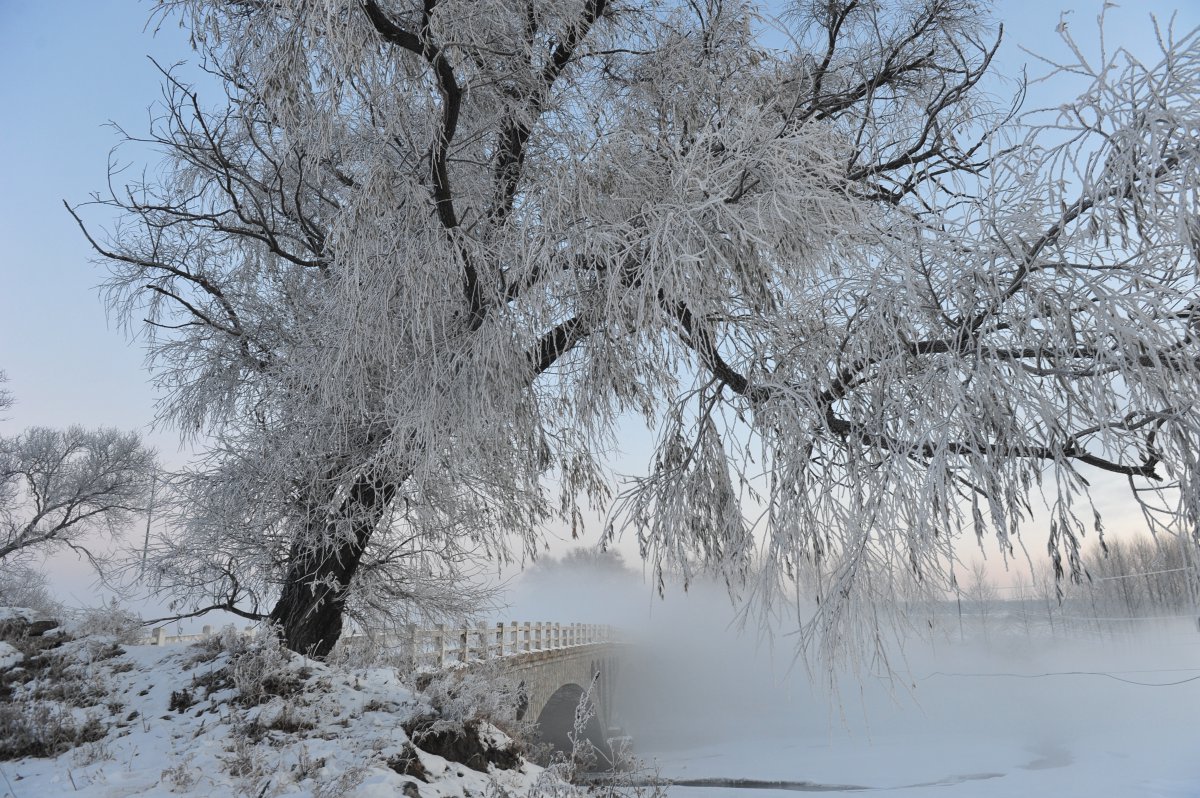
[70, 67]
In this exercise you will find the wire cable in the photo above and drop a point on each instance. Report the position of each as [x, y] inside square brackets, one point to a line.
[1108, 675]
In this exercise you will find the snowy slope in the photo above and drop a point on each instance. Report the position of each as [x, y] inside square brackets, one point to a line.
[185, 720]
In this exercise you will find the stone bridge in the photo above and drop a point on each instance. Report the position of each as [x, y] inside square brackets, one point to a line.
[555, 664]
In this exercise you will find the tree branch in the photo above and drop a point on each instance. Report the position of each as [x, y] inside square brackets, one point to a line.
[452, 96]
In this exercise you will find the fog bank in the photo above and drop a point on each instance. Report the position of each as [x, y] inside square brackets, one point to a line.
[991, 694]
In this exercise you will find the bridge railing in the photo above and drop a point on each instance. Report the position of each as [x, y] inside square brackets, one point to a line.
[441, 646]
[159, 637]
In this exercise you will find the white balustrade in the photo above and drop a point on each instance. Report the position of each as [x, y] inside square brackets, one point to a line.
[438, 646]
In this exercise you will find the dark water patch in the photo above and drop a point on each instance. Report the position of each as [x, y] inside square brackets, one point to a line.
[765, 784]
[759, 784]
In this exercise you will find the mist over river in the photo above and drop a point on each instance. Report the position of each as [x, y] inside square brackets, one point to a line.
[1007, 716]
[999, 704]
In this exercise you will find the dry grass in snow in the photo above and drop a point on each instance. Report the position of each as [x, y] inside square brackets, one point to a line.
[233, 716]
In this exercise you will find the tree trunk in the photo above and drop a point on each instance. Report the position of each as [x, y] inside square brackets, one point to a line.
[321, 569]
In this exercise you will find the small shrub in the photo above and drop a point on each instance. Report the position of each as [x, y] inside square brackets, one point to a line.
[468, 706]
[181, 700]
[258, 668]
[212, 681]
[30, 638]
[343, 784]
[42, 729]
[92, 743]
[212, 647]
[474, 745]
[283, 684]
[52, 674]
[252, 732]
[59, 679]
[109, 620]
[306, 767]
[484, 694]
[379, 705]
[246, 761]
[290, 720]
[181, 776]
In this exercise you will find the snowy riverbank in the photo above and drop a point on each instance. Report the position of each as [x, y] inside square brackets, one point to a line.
[98, 719]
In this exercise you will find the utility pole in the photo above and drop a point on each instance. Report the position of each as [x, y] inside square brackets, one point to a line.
[149, 517]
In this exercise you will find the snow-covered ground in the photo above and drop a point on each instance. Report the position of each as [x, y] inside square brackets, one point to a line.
[183, 720]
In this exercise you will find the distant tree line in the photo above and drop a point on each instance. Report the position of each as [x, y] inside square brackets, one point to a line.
[1140, 577]
[1124, 583]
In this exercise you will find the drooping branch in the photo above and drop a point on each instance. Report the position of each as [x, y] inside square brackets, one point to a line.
[451, 92]
[701, 340]
[514, 136]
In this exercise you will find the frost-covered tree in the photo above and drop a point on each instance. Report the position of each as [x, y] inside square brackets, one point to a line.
[59, 488]
[1139, 577]
[581, 564]
[413, 269]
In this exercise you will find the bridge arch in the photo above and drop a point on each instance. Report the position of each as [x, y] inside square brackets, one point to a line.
[556, 721]
[552, 683]
[554, 664]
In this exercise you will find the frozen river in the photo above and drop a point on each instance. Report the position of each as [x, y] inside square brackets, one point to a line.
[1115, 717]
[1133, 763]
